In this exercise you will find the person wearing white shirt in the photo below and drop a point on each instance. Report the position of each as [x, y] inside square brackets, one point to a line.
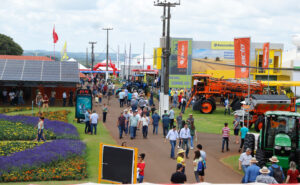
[64, 96]
[145, 122]
[172, 136]
[171, 116]
[94, 121]
[185, 135]
[195, 84]
[122, 98]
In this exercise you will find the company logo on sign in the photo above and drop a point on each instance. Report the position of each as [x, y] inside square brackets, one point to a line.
[243, 57]
[222, 45]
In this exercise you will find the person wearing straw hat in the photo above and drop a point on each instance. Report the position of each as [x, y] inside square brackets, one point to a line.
[181, 159]
[252, 171]
[276, 170]
[264, 177]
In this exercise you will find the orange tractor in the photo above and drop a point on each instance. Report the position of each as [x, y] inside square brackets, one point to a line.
[208, 88]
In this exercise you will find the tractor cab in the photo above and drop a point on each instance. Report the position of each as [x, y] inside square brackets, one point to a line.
[202, 80]
[279, 136]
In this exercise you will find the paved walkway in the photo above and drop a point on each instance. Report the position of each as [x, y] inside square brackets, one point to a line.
[159, 166]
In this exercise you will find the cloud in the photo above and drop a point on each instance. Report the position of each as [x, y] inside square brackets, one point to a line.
[30, 22]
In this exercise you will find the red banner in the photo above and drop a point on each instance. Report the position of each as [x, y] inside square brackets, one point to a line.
[182, 56]
[55, 36]
[242, 57]
[266, 48]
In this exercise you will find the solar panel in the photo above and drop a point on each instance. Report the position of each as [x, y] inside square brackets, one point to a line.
[51, 71]
[32, 71]
[2, 64]
[70, 71]
[13, 70]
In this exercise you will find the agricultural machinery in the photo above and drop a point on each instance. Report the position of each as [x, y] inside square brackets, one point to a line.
[278, 136]
[209, 88]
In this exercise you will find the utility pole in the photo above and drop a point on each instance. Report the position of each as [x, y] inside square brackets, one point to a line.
[164, 94]
[93, 56]
[87, 57]
[144, 56]
[129, 61]
[124, 75]
[118, 58]
[107, 29]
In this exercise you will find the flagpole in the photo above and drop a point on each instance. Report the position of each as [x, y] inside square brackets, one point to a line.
[248, 117]
[54, 51]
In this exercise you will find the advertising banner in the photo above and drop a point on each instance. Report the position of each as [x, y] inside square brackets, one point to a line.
[223, 45]
[266, 48]
[180, 81]
[242, 56]
[159, 58]
[83, 102]
[182, 55]
[154, 58]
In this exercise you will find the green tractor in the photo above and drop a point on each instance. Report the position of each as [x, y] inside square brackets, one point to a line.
[279, 136]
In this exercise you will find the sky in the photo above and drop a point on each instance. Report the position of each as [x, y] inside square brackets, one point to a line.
[30, 22]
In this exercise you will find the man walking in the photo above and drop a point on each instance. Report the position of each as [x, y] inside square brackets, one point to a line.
[144, 121]
[244, 131]
[264, 177]
[171, 116]
[121, 125]
[155, 122]
[276, 170]
[244, 160]
[172, 136]
[121, 97]
[227, 107]
[133, 121]
[252, 171]
[185, 135]
[202, 152]
[225, 136]
[64, 96]
[166, 122]
[94, 121]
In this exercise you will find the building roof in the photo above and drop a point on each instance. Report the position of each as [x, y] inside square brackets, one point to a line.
[17, 57]
[41, 71]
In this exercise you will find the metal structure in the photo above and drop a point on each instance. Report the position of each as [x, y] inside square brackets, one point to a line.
[107, 30]
[93, 55]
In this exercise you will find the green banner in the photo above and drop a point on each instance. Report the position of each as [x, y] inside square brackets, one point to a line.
[180, 81]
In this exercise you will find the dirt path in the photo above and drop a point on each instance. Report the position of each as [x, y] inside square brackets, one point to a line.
[159, 166]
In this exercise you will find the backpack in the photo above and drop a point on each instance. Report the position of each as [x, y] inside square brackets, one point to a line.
[201, 165]
[277, 174]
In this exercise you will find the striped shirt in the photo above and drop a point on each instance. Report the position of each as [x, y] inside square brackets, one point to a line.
[225, 132]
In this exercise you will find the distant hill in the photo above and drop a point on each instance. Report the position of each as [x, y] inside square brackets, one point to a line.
[79, 56]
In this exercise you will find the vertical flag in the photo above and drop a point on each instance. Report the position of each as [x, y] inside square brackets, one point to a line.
[242, 57]
[182, 55]
[159, 58]
[266, 48]
[55, 36]
[64, 55]
[154, 58]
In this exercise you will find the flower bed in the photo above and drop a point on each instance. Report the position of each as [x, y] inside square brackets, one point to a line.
[9, 147]
[61, 115]
[19, 131]
[71, 169]
[14, 109]
[61, 129]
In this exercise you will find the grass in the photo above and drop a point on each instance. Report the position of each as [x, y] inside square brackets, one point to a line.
[209, 123]
[232, 162]
[92, 142]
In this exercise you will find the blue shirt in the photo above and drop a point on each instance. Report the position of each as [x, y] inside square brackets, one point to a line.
[129, 96]
[165, 120]
[156, 119]
[87, 116]
[244, 131]
[271, 170]
[251, 173]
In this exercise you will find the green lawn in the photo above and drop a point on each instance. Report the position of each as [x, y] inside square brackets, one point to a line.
[209, 123]
[91, 141]
[232, 162]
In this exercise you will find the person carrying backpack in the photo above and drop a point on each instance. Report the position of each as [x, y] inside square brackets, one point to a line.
[200, 166]
[276, 170]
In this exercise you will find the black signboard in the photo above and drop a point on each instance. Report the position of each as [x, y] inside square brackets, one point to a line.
[117, 164]
[84, 102]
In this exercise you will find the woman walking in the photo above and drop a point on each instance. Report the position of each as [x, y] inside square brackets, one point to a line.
[292, 174]
[104, 110]
[193, 133]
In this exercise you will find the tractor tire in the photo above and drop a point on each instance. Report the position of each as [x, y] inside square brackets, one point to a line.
[260, 156]
[197, 105]
[297, 157]
[236, 104]
[213, 101]
[206, 107]
[249, 142]
[259, 123]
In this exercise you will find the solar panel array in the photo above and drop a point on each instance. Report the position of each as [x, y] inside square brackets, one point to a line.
[45, 71]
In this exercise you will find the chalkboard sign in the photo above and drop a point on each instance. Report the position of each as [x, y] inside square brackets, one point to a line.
[117, 164]
[83, 102]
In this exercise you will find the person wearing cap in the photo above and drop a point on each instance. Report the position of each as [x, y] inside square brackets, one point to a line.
[155, 122]
[180, 158]
[264, 176]
[244, 160]
[133, 122]
[275, 167]
[172, 136]
[178, 177]
[252, 171]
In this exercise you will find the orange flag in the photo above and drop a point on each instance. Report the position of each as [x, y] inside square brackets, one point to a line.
[242, 57]
[182, 54]
[266, 48]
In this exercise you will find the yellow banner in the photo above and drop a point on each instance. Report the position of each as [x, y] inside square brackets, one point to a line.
[159, 58]
[154, 58]
[224, 45]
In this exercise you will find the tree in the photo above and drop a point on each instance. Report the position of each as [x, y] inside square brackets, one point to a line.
[9, 47]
